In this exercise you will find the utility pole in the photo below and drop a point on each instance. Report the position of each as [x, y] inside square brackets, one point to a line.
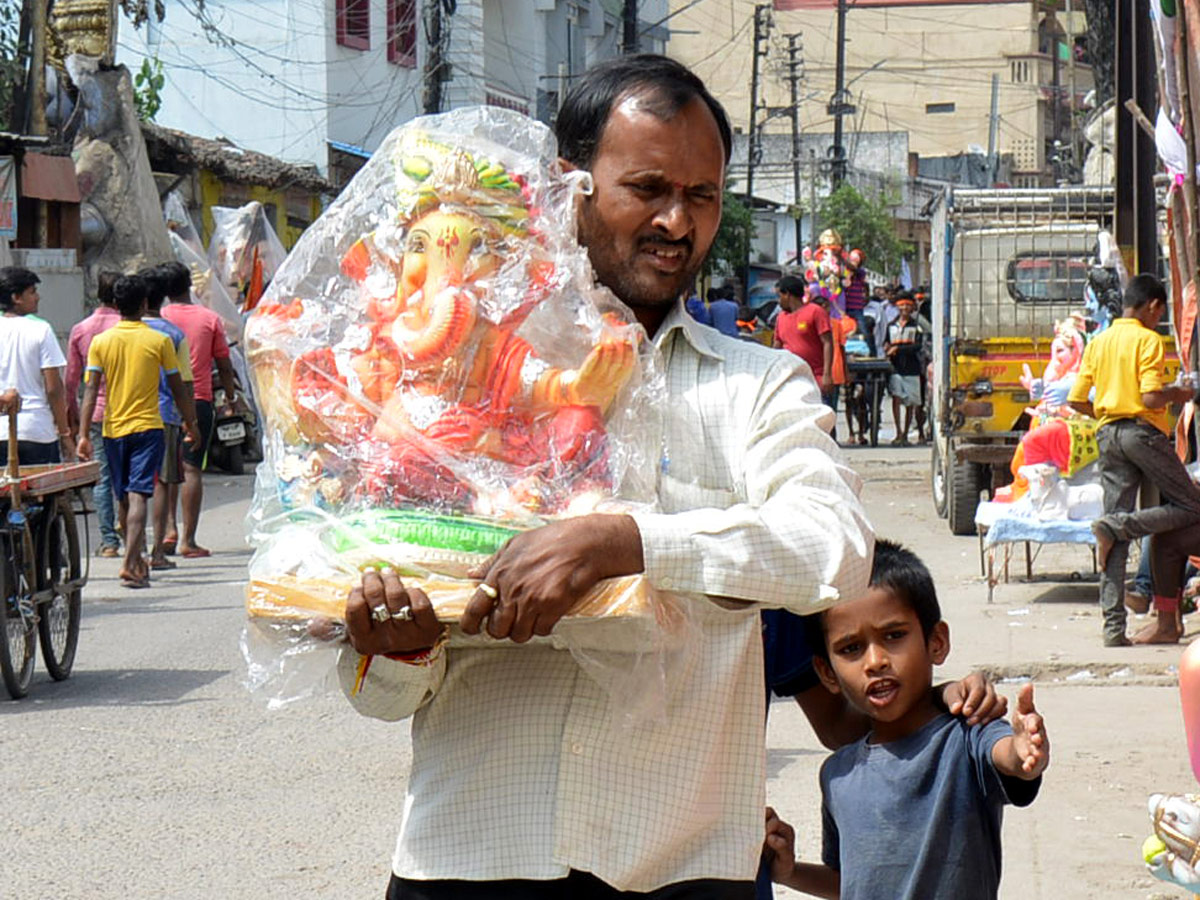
[795, 71]
[1137, 161]
[762, 30]
[993, 122]
[839, 106]
[437, 32]
[37, 70]
[812, 198]
[629, 18]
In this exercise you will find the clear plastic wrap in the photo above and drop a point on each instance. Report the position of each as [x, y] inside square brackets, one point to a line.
[436, 371]
[244, 251]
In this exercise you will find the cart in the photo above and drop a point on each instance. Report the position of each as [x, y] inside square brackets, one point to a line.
[41, 566]
[873, 374]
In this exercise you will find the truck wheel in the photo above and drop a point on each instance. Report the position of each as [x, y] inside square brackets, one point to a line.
[965, 482]
[938, 477]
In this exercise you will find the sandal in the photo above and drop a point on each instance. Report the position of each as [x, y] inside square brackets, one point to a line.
[168, 547]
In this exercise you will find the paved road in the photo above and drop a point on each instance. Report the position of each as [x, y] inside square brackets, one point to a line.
[152, 773]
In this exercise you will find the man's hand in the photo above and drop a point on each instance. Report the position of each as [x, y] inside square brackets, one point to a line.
[66, 443]
[975, 699]
[191, 432]
[779, 847]
[382, 616]
[539, 575]
[826, 383]
[1030, 741]
[10, 401]
[83, 450]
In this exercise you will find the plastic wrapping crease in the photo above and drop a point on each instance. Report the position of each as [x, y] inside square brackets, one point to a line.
[437, 370]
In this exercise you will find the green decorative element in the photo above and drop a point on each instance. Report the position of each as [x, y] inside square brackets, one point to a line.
[1168, 8]
[405, 526]
[418, 168]
[494, 176]
[147, 89]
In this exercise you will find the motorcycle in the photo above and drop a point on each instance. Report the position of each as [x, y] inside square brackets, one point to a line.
[235, 433]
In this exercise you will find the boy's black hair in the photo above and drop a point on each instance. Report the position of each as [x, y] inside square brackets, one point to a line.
[1142, 289]
[666, 86]
[15, 280]
[129, 293]
[790, 284]
[104, 286]
[155, 279]
[177, 278]
[901, 572]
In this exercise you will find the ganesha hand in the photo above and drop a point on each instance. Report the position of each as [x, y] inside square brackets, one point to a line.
[602, 375]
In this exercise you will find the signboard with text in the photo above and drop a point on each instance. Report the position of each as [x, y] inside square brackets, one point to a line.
[8, 197]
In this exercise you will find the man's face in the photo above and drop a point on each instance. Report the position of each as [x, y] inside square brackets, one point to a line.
[656, 205]
[26, 302]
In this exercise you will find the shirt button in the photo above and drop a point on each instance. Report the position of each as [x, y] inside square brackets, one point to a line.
[577, 748]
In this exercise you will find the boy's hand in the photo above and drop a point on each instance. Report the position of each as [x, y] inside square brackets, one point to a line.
[1030, 741]
[975, 699]
[779, 847]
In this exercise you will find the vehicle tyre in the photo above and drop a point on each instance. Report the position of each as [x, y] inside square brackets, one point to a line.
[938, 476]
[58, 619]
[19, 645]
[965, 482]
[235, 462]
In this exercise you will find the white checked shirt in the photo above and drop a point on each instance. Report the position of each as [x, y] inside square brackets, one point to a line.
[520, 767]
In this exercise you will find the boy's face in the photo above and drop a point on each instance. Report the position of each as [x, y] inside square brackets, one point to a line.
[880, 659]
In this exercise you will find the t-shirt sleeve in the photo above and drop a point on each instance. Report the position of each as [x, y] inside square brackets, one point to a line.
[831, 845]
[220, 347]
[822, 321]
[51, 354]
[94, 362]
[1082, 386]
[167, 359]
[184, 355]
[981, 739]
[1150, 364]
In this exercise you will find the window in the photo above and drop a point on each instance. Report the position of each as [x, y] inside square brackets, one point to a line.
[402, 32]
[353, 23]
[1047, 278]
[934, 108]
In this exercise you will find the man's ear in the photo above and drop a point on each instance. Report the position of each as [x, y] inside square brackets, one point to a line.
[825, 673]
[939, 643]
[567, 166]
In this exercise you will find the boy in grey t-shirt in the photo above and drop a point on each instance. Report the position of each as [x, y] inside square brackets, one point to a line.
[913, 810]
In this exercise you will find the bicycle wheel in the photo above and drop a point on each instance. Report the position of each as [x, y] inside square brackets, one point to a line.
[58, 619]
[20, 637]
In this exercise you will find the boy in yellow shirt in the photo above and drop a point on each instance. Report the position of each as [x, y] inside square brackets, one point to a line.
[129, 357]
[1125, 365]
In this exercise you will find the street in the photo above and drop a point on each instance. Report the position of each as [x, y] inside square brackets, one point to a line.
[153, 773]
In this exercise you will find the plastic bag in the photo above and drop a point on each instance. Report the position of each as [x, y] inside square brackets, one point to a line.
[437, 371]
[244, 251]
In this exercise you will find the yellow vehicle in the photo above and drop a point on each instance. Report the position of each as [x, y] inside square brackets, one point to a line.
[1007, 265]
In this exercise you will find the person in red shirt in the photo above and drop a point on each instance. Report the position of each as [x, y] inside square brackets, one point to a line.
[206, 345]
[803, 328]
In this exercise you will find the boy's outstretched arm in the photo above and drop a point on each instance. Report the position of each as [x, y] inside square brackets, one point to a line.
[780, 848]
[1026, 753]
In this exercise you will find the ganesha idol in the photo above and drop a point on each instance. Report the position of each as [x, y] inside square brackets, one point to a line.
[831, 269]
[437, 370]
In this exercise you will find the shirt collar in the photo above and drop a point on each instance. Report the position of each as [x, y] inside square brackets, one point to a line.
[700, 337]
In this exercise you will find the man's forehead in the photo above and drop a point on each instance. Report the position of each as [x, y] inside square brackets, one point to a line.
[657, 142]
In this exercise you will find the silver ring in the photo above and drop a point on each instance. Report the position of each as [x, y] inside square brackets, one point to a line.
[403, 614]
[490, 591]
[380, 614]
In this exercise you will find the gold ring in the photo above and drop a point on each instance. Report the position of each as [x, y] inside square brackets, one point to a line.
[491, 592]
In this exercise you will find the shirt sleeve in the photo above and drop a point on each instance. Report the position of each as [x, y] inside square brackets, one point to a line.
[74, 374]
[51, 353]
[1150, 364]
[167, 358]
[392, 690]
[94, 363]
[981, 739]
[220, 347]
[799, 537]
[1082, 386]
[822, 322]
[184, 355]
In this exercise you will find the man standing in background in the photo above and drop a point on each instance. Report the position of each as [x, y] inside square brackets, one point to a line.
[803, 328]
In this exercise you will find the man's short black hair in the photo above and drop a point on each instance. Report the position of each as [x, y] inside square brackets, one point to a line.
[129, 294]
[155, 279]
[665, 84]
[177, 278]
[104, 286]
[1142, 289]
[900, 572]
[15, 280]
[790, 284]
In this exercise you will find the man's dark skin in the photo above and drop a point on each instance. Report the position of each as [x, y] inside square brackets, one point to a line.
[648, 225]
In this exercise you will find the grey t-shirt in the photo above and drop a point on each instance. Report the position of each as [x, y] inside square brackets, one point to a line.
[919, 818]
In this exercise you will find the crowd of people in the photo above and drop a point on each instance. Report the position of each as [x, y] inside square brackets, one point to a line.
[133, 392]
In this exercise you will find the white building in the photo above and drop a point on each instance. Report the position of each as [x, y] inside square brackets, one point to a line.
[322, 82]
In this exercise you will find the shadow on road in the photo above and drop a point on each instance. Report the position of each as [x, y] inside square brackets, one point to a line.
[115, 687]
[779, 758]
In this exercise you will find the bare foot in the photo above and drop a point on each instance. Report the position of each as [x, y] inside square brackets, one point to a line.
[1104, 542]
[1162, 631]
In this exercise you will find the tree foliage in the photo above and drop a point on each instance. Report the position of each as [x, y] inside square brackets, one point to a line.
[867, 224]
[12, 64]
[731, 248]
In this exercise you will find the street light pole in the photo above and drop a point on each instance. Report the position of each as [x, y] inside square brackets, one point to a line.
[794, 65]
[839, 107]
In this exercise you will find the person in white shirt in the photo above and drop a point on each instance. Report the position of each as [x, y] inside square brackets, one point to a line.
[523, 781]
[30, 364]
